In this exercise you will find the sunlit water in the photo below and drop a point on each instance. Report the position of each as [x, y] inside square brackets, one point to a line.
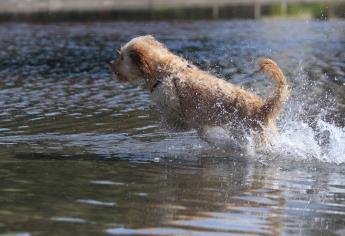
[83, 155]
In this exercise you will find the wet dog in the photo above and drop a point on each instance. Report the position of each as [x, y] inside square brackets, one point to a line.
[189, 98]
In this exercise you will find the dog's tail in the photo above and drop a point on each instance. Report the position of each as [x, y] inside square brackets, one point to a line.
[273, 104]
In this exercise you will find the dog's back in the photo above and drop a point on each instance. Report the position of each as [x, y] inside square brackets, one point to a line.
[206, 100]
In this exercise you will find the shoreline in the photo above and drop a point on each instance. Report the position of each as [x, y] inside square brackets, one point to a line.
[240, 11]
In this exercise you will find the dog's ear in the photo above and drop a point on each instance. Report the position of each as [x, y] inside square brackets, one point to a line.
[139, 58]
[135, 57]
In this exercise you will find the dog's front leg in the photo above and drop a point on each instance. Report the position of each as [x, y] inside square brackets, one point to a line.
[213, 135]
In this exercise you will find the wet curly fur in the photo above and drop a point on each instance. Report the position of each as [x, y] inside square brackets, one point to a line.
[190, 98]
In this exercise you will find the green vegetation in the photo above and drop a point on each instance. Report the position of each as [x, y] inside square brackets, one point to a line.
[305, 10]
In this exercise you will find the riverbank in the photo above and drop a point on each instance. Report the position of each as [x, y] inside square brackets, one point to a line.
[62, 10]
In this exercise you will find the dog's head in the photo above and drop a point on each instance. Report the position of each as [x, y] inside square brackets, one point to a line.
[139, 60]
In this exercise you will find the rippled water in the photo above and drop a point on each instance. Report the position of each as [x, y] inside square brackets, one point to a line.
[83, 155]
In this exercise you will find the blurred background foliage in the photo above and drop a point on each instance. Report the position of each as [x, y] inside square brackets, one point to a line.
[82, 10]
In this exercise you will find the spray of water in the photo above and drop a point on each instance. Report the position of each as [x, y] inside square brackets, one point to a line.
[307, 129]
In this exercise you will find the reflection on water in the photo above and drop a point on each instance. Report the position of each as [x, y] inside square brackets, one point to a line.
[205, 196]
[81, 154]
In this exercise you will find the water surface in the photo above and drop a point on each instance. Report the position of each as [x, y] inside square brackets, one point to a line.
[81, 154]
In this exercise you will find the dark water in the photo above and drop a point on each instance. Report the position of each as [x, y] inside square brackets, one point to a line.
[83, 155]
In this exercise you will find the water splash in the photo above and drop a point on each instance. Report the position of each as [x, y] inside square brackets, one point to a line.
[307, 128]
[300, 141]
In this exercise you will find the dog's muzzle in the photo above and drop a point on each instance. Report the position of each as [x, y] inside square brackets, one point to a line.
[118, 75]
[113, 66]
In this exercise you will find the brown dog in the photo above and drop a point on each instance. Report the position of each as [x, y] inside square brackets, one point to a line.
[190, 98]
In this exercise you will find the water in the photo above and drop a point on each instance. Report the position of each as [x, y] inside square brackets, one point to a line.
[83, 155]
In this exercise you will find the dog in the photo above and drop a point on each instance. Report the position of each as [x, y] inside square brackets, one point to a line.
[190, 98]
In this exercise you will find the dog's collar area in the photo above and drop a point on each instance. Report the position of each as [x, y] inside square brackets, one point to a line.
[158, 82]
